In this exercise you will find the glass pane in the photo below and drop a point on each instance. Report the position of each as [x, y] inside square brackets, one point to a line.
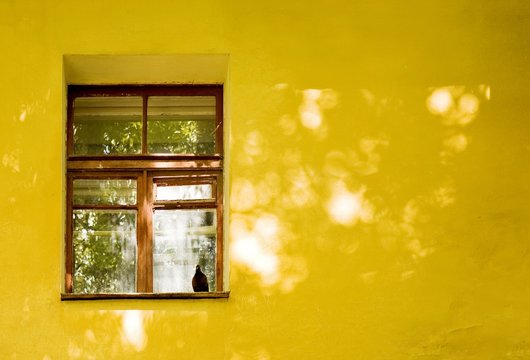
[181, 124]
[107, 125]
[104, 192]
[182, 240]
[183, 192]
[104, 251]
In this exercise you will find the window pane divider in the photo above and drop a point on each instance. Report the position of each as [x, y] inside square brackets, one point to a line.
[185, 205]
[141, 164]
[104, 207]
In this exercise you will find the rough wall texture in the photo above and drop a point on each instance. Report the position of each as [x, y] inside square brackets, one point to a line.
[379, 180]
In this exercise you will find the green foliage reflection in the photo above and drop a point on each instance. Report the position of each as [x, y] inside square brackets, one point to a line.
[104, 251]
[181, 136]
[108, 192]
[108, 136]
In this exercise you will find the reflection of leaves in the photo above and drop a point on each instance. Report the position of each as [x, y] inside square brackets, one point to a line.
[109, 191]
[104, 251]
[181, 137]
[165, 136]
[107, 137]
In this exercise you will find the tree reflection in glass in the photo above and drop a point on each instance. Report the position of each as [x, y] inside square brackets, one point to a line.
[104, 192]
[107, 125]
[104, 243]
[181, 125]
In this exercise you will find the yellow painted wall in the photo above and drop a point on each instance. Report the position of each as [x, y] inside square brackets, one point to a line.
[379, 180]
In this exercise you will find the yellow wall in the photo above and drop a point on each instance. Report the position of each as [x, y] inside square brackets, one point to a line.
[379, 180]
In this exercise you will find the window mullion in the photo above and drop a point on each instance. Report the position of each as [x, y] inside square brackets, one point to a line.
[144, 265]
[148, 211]
[144, 125]
[220, 250]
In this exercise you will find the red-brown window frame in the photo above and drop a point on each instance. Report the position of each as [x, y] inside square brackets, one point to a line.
[147, 169]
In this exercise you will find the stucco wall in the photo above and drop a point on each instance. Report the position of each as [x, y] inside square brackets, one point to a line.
[378, 180]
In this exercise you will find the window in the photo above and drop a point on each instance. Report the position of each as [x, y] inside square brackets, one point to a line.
[144, 191]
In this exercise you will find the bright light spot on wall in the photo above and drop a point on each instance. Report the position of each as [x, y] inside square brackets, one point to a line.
[485, 90]
[311, 118]
[133, 329]
[267, 226]
[346, 208]
[440, 101]
[257, 245]
[255, 249]
[22, 116]
[457, 105]
[243, 197]
[468, 104]
[314, 101]
[246, 248]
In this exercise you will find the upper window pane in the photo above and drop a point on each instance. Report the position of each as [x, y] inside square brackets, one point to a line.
[181, 125]
[104, 192]
[107, 125]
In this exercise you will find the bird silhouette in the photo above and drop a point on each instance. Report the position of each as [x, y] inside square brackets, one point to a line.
[199, 281]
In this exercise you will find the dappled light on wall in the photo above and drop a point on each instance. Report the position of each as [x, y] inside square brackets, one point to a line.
[258, 246]
[457, 105]
[299, 191]
[363, 159]
[133, 332]
[313, 103]
[382, 180]
[11, 160]
[440, 102]
[346, 207]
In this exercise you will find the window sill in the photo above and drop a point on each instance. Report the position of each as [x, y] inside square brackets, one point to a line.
[151, 296]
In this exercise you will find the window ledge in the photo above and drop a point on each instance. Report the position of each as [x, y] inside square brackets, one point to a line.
[152, 296]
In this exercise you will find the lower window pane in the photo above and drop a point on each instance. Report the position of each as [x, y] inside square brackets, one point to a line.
[182, 240]
[104, 244]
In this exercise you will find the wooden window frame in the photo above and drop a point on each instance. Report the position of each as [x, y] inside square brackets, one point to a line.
[146, 169]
